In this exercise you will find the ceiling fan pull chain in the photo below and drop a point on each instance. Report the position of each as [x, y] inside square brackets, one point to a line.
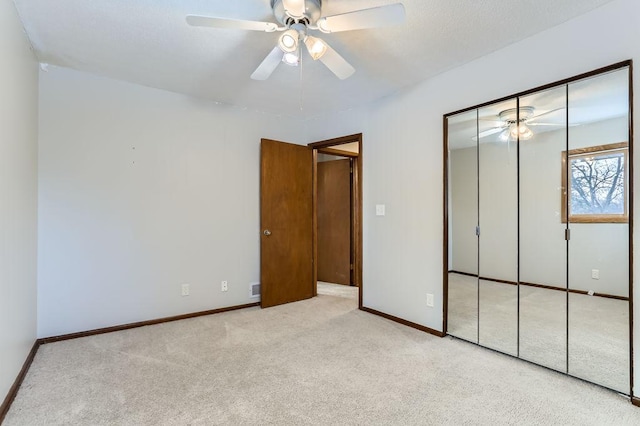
[301, 85]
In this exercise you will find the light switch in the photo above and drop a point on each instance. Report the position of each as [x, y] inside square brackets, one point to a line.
[379, 209]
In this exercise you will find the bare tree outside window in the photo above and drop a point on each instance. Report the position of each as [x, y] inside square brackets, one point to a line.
[597, 184]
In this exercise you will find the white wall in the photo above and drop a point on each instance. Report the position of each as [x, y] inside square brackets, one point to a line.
[141, 190]
[402, 149]
[18, 195]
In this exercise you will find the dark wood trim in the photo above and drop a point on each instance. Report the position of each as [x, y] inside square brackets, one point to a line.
[353, 280]
[404, 322]
[631, 209]
[571, 290]
[562, 82]
[341, 153]
[314, 220]
[97, 331]
[356, 137]
[548, 287]
[357, 184]
[599, 148]
[468, 274]
[445, 225]
[635, 401]
[357, 191]
[588, 218]
[497, 280]
[13, 390]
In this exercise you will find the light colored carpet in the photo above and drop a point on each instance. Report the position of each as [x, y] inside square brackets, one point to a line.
[339, 290]
[320, 361]
[598, 344]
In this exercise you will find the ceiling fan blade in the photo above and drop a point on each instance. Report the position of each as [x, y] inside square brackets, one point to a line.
[489, 132]
[544, 124]
[366, 18]
[336, 63]
[294, 8]
[268, 65]
[529, 120]
[234, 24]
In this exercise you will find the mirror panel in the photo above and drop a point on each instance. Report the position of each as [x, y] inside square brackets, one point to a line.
[498, 218]
[546, 178]
[597, 176]
[542, 245]
[463, 219]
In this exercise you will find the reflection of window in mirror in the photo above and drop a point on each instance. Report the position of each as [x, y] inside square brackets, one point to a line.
[597, 184]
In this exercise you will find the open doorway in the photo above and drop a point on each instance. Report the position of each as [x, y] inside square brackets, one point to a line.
[337, 221]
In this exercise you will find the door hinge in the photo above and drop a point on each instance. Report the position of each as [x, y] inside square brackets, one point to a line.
[477, 231]
[567, 234]
[351, 266]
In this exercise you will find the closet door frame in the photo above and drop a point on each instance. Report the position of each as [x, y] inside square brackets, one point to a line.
[567, 81]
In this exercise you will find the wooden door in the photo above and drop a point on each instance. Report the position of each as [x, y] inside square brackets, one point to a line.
[286, 213]
[334, 221]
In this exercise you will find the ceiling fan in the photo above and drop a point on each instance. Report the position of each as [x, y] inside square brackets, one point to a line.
[297, 18]
[512, 126]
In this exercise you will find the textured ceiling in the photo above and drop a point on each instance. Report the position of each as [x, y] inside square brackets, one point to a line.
[148, 42]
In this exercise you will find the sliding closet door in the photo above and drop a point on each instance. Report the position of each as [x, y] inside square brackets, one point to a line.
[462, 157]
[498, 233]
[597, 176]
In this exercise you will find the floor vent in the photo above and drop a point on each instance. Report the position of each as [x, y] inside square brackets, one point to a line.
[255, 289]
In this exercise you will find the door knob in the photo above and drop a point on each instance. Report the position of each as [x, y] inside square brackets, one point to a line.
[267, 232]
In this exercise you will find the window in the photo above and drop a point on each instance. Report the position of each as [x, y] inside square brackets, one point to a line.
[597, 184]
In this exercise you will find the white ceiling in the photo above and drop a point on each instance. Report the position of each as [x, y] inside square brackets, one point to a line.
[148, 42]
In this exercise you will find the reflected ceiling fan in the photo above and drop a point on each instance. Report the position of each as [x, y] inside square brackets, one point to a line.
[513, 126]
[296, 19]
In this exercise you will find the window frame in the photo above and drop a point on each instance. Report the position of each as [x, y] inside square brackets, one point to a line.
[566, 186]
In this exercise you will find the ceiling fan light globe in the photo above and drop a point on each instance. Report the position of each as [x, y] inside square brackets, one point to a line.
[522, 132]
[291, 59]
[525, 133]
[288, 41]
[316, 47]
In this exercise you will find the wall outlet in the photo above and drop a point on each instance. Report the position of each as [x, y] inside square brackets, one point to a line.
[224, 286]
[595, 274]
[430, 300]
[380, 209]
[184, 289]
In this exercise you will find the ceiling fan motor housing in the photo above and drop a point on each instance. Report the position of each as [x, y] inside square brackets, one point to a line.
[511, 116]
[312, 12]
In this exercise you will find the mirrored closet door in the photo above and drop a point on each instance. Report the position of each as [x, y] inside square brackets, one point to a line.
[542, 243]
[463, 241]
[537, 214]
[597, 182]
[498, 232]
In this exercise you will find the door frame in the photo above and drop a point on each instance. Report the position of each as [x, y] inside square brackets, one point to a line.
[329, 146]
